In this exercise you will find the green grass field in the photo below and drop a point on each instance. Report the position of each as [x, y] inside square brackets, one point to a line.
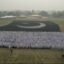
[58, 21]
[31, 56]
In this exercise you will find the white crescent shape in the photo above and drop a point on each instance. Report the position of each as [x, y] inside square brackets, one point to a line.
[32, 27]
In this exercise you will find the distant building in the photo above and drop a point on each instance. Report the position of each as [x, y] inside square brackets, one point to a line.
[23, 16]
[35, 15]
[7, 16]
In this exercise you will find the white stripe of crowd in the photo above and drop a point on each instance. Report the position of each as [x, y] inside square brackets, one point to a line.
[32, 39]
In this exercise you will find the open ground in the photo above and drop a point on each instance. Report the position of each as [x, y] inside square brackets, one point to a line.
[31, 56]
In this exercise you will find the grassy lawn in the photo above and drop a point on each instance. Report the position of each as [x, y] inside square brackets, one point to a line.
[31, 56]
[60, 22]
[6, 21]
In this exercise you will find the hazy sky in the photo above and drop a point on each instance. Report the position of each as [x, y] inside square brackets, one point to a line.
[31, 4]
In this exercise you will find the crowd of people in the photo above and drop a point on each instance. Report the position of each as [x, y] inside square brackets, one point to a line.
[32, 39]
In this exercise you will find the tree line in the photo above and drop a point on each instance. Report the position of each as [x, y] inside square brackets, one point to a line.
[27, 13]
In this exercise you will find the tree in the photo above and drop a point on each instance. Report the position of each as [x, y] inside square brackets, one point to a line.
[58, 14]
[27, 13]
[44, 13]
